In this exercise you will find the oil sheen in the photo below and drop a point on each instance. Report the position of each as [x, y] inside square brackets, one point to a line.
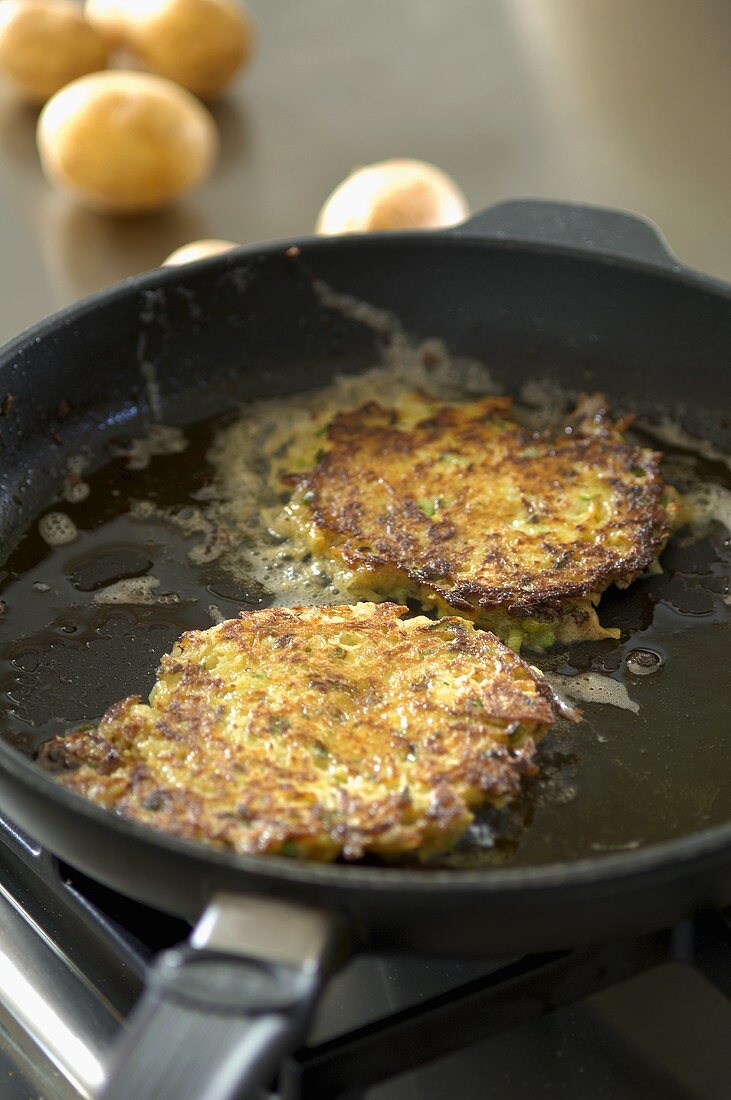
[173, 534]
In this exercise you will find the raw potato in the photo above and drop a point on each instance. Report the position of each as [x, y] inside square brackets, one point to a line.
[197, 250]
[200, 44]
[44, 44]
[393, 194]
[125, 141]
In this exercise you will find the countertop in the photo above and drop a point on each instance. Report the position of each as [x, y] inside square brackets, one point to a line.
[608, 101]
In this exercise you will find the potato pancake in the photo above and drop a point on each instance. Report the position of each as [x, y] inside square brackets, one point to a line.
[457, 505]
[318, 732]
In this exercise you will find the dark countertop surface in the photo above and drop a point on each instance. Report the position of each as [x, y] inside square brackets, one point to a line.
[617, 103]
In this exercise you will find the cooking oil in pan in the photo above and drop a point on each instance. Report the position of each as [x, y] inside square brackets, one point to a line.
[168, 536]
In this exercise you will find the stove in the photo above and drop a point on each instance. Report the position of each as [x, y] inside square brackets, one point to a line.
[648, 1018]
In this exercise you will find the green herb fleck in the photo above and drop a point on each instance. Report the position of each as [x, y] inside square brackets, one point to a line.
[289, 848]
[458, 460]
[308, 496]
[587, 499]
[530, 452]
[431, 507]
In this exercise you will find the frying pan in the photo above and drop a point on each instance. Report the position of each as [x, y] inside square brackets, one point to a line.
[590, 298]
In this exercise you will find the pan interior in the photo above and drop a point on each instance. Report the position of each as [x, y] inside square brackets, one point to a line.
[85, 622]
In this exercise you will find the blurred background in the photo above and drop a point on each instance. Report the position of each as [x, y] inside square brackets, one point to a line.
[607, 101]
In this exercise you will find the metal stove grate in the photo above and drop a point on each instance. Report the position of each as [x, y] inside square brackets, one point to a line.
[73, 956]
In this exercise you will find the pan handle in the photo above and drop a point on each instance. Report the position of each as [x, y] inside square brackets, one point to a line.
[592, 229]
[220, 1013]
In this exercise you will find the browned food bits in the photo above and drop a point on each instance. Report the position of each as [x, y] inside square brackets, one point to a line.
[458, 505]
[318, 731]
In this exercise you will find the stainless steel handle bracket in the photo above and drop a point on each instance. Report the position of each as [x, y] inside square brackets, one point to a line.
[222, 1010]
[271, 931]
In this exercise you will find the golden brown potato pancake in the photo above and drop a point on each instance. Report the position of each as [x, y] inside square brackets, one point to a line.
[318, 732]
[460, 507]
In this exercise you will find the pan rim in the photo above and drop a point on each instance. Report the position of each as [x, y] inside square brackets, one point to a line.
[606, 868]
[161, 277]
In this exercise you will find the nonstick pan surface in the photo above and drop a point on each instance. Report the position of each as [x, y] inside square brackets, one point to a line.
[644, 767]
[630, 823]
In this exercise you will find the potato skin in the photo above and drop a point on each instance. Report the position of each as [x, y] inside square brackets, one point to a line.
[45, 44]
[197, 250]
[200, 44]
[392, 194]
[124, 142]
[108, 17]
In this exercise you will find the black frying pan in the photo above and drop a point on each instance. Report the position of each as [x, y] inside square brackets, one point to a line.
[590, 298]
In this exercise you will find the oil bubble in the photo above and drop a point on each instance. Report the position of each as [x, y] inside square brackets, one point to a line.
[644, 662]
[57, 529]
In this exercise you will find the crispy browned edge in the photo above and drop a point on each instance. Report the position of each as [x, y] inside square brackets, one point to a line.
[346, 431]
[88, 761]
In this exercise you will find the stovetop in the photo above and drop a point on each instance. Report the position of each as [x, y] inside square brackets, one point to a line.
[649, 1018]
[596, 103]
